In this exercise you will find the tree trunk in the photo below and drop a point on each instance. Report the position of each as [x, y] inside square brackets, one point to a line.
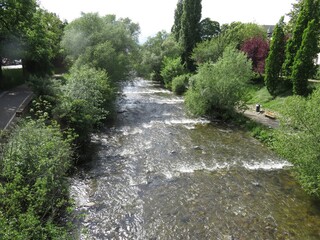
[1, 74]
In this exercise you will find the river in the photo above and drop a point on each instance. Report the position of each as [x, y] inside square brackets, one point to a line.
[161, 174]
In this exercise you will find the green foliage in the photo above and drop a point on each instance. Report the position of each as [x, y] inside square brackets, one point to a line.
[221, 87]
[102, 42]
[304, 66]
[172, 68]
[154, 50]
[209, 29]
[190, 30]
[237, 32]
[176, 28]
[33, 182]
[42, 42]
[275, 58]
[210, 50]
[180, 84]
[298, 139]
[309, 10]
[87, 98]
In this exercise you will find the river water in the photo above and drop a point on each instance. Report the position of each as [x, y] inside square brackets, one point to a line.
[160, 174]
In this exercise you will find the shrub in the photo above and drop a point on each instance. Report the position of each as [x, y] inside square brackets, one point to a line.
[299, 137]
[87, 98]
[172, 67]
[33, 182]
[180, 84]
[221, 87]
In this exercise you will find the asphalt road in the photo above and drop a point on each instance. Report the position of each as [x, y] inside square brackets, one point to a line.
[10, 102]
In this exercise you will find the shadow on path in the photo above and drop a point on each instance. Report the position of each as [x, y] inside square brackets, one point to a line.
[13, 102]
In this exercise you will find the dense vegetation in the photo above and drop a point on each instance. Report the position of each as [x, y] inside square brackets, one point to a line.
[224, 80]
[37, 156]
[216, 67]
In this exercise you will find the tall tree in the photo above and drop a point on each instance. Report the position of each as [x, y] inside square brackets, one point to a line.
[275, 58]
[309, 11]
[177, 20]
[190, 30]
[304, 66]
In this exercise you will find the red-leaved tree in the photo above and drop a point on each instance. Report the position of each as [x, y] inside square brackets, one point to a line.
[257, 50]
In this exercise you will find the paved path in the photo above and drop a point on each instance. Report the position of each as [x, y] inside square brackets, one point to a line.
[261, 118]
[12, 101]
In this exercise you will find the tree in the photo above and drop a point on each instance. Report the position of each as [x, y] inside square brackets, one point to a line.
[210, 50]
[153, 52]
[41, 43]
[238, 32]
[209, 29]
[309, 11]
[15, 18]
[176, 28]
[275, 58]
[257, 50]
[218, 88]
[304, 66]
[104, 42]
[190, 30]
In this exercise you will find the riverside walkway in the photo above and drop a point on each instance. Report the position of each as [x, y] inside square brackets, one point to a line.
[12, 103]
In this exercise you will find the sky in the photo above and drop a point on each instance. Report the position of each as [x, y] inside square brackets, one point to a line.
[157, 15]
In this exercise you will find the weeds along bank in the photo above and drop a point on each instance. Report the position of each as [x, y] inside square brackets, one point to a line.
[40, 151]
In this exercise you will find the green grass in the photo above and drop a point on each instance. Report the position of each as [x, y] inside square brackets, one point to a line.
[260, 95]
[11, 78]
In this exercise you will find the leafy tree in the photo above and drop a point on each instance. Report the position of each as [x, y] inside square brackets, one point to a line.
[221, 87]
[209, 29]
[275, 58]
[210, 50]
[176, 28]
[257, 50]
[172, 68]
[88, 36]
[237, 32]
[190, 30]
[309, 11]
[304, 66]
[42, 42]
[15, 18]
[298, 139]
[154, 50]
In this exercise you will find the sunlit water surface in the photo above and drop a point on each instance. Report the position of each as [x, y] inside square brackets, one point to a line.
[160, 174]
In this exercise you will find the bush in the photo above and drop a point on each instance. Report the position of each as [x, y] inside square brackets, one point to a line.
[87, 98]
[172, 67]
[33, 182]
[221, 87]
[299, 137]
[180, 84]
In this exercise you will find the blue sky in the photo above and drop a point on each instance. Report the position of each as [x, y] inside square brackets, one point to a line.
[156, 15]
